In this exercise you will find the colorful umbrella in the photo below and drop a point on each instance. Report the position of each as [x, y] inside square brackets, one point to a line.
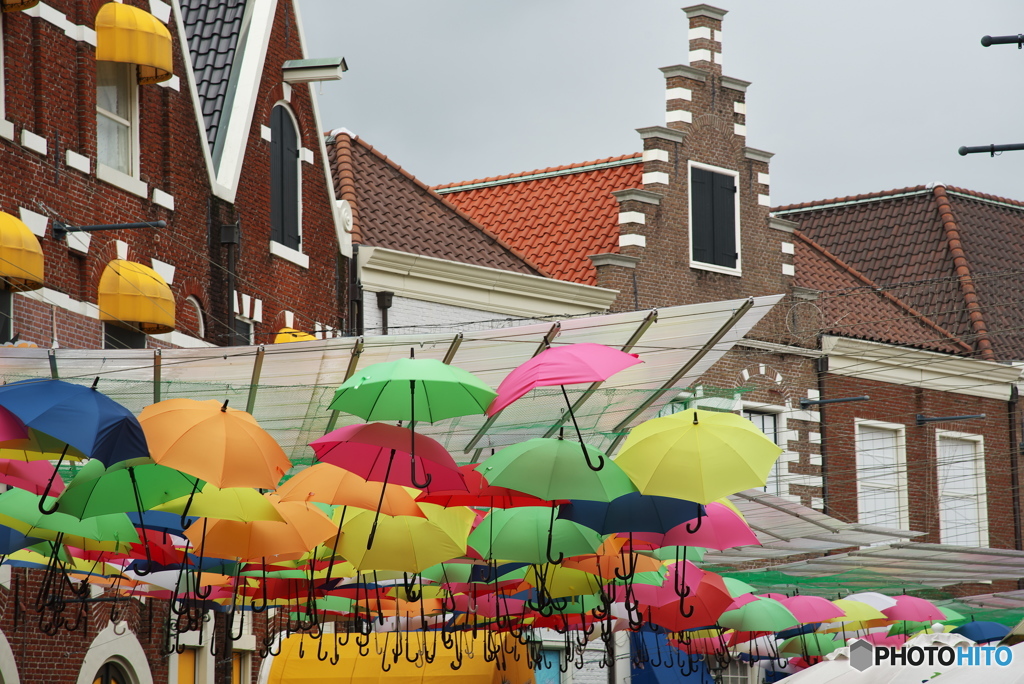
[697, 455]
[213, 442]
[762, 615]
[530, 535]
[482, 494]
[631, 512]
[810, 645]
[31, 476]
[329, 484]
[96, 490]
[406, 543]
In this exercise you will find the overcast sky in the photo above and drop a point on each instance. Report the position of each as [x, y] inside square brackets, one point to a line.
[852, 97]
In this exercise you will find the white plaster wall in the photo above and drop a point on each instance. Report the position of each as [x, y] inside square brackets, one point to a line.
[412, 316]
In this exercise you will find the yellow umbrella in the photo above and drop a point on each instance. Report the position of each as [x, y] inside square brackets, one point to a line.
[559, 581]
[406, 543]
[697, 455]
[231, 503]
[859, 615]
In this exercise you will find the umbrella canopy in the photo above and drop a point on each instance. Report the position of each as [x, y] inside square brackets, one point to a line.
[631, 512]
[31, 476]
[528, 535]
[761, 615]
[697, 455]
[719, 529]
[11, 426]
[982, 632]
[20, 509]
[231, 503]
[810, 645]
[213, 442]
[812, 608]
[405, 543]
[303, 527]
[96, 490]
[555, 469]
[412, 389]
[914, 609]
[329, 484]
[481, 493]
[79, 416]
[384, 453]
[567, 365]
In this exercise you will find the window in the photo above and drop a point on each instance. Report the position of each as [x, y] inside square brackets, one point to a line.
[6, 314]
[963, 519]
[881, 475]
[122, 337]
[115, 116]
[739, 672]
[546, 669]
[768, 423]
[714, 224]
[243, 332]
[111, 673]
[194, 308]
[284, 178]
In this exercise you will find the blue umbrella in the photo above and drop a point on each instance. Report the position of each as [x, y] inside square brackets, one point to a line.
[982, 632]
[79, 416]
[12, 540]
[631, 512]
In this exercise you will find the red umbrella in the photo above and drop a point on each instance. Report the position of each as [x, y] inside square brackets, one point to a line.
[720, 528]
[481, 494]
[369, 451]
[30, 475]
[11, 427]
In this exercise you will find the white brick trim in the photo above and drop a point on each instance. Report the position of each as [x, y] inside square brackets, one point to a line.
[763, 179]
[36, 222]
[122, 180]
[632, 240]
[632, 217]
[788, 269]
[306, 155]
[79, 241]
[655, 155]
[122, 249]
[764, 200]
[265, 133]
[289, 254]
[655, 177]
[700, 56]
[679, 94]
[678, 115]
[787, 248]
[31, 141]
[6, 130]
[174, 83]
[286, 92]
[739, 129]
[161, 10]
[739, 107]
[700, 32]
[79, 162]
[58, 19]
[164, 199]
[163, 269]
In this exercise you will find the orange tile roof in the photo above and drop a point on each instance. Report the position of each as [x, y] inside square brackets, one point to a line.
[556, 217]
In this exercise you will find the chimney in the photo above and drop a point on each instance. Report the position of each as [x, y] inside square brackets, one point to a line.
[705, 37]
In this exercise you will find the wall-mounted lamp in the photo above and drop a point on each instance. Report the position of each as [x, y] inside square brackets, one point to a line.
[804, 403]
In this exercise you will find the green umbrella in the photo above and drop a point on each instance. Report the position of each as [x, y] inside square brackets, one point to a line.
[810, 645]
[20, 509]
[529, 534]
[412, 389]
[694, 554]
[96, 490]
[762, 615]
[553, 469]
[737, 587]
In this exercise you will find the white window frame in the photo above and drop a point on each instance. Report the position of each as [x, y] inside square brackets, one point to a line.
[980, 477]
[901, 464]
[194, 302]
[777, 470]
[700, 265]
[252, 328]
[131, 182]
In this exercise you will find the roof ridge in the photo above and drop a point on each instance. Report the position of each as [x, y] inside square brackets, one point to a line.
[342, 145]
[522, 176]
[963, 272]
[458, 212]
[884, 293]
[852, 199]
[996, 199]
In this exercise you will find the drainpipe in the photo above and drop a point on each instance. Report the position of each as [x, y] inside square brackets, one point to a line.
[230, 236]
[384, 299]
[822, 370]
[355, 295]
[1018, 533]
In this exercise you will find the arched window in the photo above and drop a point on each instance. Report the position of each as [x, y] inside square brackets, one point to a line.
[284, 178]
[194, 309]
[111, 673]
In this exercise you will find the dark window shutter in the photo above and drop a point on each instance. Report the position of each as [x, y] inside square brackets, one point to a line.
[702, 218]
[725, 220]
[120, 337]
[6, 314]
[284, 179]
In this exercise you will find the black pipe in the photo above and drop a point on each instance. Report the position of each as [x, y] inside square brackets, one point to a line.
[1017, 40]
[384, 301]
[991, 149]
[230, 236]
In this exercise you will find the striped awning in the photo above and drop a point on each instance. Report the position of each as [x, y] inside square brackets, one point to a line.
[130, 35]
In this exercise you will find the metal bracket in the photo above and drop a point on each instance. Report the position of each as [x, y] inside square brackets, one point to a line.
[60, 229]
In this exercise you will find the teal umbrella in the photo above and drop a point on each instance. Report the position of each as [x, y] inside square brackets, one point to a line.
[555, 469]
[412, 389]
[530, 535]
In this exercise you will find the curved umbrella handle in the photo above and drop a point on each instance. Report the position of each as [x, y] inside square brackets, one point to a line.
[700, 521]
[185, 522]
[551, 531]
[49, 485]
[412, 476]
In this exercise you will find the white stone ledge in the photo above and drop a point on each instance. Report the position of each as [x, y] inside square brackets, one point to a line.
[632, 217]
[31, 141]
[78, 162]
[652, 177]
[678, 116]
[632, 240]
[289, 254]
[164, 199]
[122, 180]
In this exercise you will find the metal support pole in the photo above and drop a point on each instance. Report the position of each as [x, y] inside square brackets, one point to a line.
[52, 355]
[353, 362]
[254, 384]
[157, 374]
[452, 349]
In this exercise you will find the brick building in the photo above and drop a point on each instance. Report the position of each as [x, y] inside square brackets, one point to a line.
[688, 219]
[198, 114]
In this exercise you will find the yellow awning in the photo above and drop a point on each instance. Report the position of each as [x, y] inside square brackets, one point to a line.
[133, 36]
[21, 257]
[135, 294]
[292, 335]
[351, 668]
[18, 5]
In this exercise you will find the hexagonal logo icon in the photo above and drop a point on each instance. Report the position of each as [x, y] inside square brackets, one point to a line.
[862, 655]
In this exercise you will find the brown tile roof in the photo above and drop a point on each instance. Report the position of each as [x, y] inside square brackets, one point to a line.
[952, 254]
[558, 216]
[392, 209]
[851, 305]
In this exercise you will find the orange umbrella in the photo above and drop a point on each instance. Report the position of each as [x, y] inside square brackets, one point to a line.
[303, 528]
[330, 484]
[221, 445]
[610, 561]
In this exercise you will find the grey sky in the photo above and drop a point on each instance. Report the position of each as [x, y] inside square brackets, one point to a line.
[852, 97]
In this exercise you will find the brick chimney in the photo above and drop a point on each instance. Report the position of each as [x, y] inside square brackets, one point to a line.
[705, 37]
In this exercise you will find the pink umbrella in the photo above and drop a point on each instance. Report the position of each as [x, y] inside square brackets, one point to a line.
[31, 476]
[720, 528]
[913, 609]
[568, 365]
[811, 608]
[883, 639]
[369, 451]
[11, 427]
